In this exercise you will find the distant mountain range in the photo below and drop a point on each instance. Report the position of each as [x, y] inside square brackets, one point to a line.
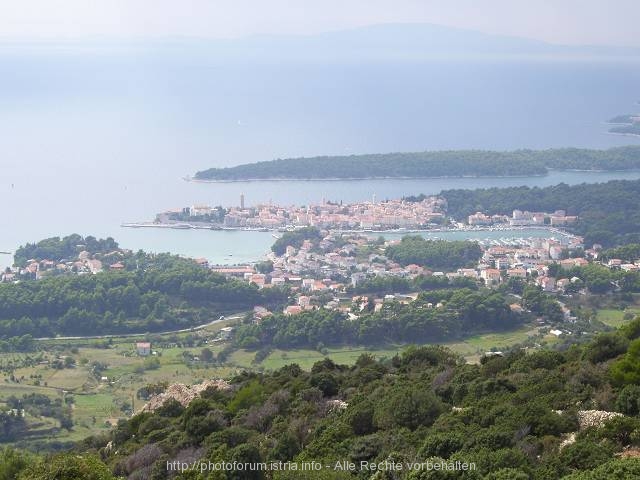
[386, 41]
[418, 40]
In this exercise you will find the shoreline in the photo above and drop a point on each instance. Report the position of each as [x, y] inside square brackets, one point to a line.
[185, 226]
[359, 179]
[355, 179]
[636, 135]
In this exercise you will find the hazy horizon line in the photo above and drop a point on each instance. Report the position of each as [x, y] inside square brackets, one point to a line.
[152, 39]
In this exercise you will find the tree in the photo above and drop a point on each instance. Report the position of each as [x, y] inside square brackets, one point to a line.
[206, 355]
[612, 469]
[68, 466]
[12, 462]
[628, 401]
[201, 418]
[264, 267]
[246, 455]
[360, 417]
[627, 369]
[408, 406]
[584, 455]
[326, 383]
[605, 347]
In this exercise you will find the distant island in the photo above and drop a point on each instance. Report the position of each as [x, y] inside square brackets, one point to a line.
[452, 163]
[623, 119]
[627, 124]
[632, 128]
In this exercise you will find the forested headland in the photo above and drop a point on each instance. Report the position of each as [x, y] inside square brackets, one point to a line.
[454, 163]
[153, 293]
[59, 249]
[608, 212]
[295, 239]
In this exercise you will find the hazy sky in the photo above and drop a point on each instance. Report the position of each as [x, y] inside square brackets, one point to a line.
[611, 22]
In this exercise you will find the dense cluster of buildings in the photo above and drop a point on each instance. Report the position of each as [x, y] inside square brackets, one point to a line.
[371, 215]
[84, 263]
[337, 262]
[520, 219]
[500, 263]
[321, 273]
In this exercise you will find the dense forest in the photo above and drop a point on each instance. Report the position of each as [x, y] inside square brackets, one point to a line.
[537, 415]
[628, 253]
[608, 212]
[391, 284]
[157, 293]
[434, 254]
[455, 163]
[436, 315]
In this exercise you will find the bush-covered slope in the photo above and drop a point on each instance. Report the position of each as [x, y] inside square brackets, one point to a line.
[524, 415]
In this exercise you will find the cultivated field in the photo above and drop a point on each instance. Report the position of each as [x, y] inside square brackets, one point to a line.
[101, 398]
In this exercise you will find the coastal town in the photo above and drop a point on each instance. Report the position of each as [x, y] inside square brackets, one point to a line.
[428, 213]
[331, 269]
[370, 215]
[321, 273]
[338, 259]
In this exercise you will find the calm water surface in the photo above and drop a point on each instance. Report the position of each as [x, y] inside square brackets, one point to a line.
[90, 141]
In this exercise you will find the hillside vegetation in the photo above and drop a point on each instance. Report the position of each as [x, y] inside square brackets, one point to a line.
[540, 415]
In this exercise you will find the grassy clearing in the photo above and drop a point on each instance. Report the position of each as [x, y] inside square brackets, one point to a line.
[471, 348]
[98, 403]
[615, 318]
[17, 389]
[306, 358]
[502, 340]
[67, 379]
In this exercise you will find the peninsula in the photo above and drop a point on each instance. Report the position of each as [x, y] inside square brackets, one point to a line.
[604, 213]
[433, 164]
[405, 214]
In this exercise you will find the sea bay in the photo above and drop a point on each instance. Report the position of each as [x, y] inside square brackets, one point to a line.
[91, 140]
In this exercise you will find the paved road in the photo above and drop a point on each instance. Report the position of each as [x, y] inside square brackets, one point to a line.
[236, 316]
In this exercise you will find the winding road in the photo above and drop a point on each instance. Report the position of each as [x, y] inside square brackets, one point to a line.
[236, 316]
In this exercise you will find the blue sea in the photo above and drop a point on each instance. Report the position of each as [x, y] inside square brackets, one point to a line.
[91, 138]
